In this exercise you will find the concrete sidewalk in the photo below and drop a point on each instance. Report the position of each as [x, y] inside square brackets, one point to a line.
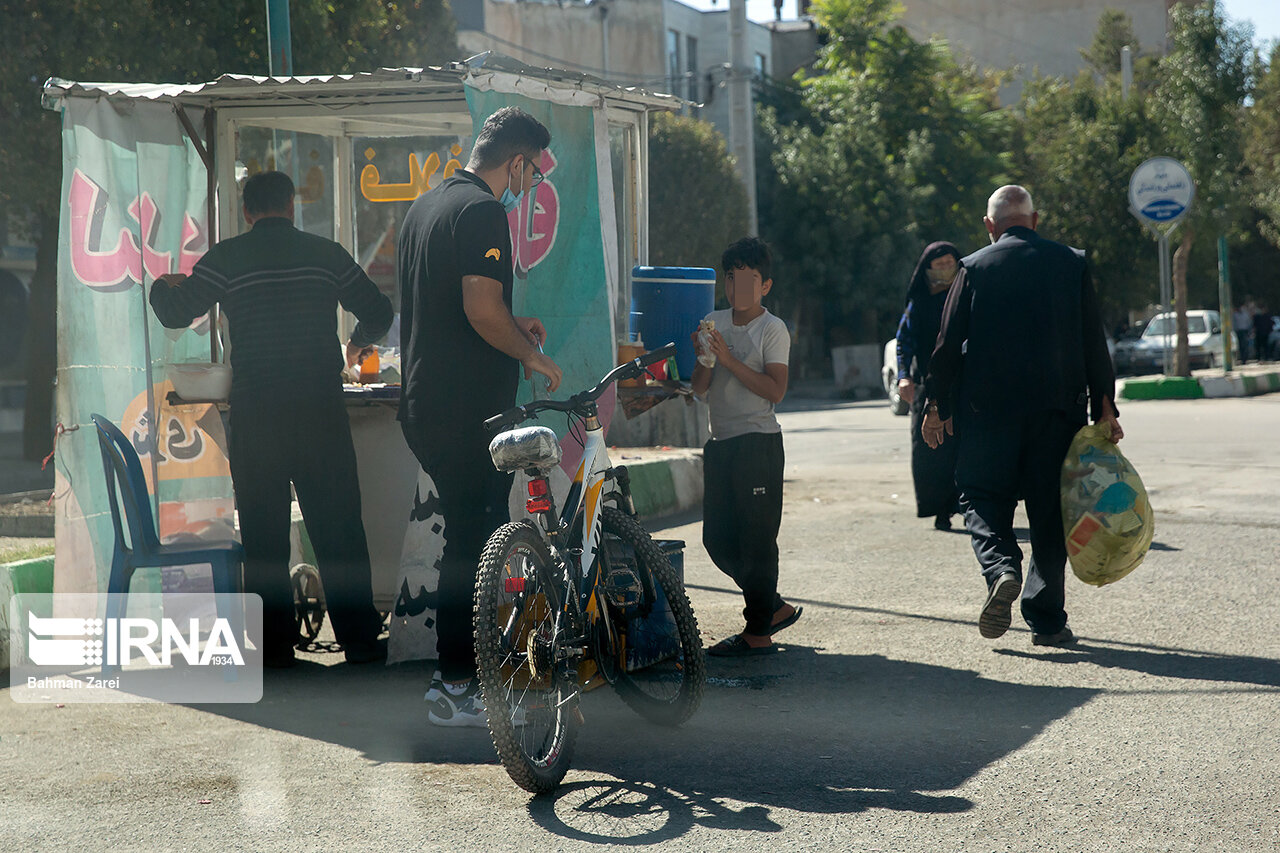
[1247, 380]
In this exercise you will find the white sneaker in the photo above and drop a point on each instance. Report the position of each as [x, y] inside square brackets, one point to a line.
[465, 709]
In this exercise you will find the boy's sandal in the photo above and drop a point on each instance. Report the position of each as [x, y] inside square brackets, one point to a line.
[788, 622]
[736, 647]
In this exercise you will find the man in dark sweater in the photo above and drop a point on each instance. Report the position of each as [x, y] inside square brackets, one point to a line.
[280, 289]
[1021, 360]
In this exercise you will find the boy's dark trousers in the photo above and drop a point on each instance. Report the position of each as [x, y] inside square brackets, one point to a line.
[741, 513]
[306, 441]
[473, 502]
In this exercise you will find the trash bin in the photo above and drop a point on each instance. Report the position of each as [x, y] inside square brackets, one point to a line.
[659, 639]
[666, 305]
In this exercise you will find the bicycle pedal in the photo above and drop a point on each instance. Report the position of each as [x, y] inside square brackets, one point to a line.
[620, 582]
[622, 587]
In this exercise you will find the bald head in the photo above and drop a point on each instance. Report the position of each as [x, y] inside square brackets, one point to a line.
[1009, 206]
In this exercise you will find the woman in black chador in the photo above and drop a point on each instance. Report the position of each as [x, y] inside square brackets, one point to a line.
[934, 471]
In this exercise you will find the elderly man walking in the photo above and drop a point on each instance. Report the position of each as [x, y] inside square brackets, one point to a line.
[1021, 362]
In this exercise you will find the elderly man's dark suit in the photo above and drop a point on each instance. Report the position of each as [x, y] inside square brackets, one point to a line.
[1021, 359]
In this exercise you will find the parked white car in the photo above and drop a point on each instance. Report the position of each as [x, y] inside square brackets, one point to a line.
[889, 373]
[1204, 341]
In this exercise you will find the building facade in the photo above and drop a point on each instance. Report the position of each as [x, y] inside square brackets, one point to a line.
[662, 45]
[1031, 35]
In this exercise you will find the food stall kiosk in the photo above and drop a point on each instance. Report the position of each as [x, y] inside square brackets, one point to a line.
[151, 176]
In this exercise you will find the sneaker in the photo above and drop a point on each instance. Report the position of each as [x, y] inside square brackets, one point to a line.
[465, 709]
[995, 617]
[1063, 638]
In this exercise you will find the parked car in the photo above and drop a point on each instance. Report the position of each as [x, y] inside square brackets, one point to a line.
[1146, 353]
[889, 373]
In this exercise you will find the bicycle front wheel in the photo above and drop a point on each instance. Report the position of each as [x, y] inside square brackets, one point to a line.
[530, 694]
[660, 669]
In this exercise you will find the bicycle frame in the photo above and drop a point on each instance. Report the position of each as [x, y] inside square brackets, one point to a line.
[582, 508]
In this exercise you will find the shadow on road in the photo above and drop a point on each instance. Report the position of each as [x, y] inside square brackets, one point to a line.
[801, 730]
[1165, 662]
[375, 710]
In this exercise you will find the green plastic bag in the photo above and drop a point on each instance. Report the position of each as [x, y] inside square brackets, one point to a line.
[1105, 512]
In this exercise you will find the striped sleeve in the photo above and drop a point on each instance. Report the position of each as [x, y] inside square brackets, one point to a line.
[176, 307]
[359, 295]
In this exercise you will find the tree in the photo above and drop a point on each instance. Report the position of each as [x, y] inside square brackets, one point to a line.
[1205, 81]
[697, 205]
[891, 145]
[158, 41]
[1077, 144]
[1114, 31]
[1262, 150]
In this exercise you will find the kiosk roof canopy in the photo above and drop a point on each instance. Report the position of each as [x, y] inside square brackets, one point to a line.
[385, 93]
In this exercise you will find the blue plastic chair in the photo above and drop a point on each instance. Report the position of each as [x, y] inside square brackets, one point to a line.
[143, 547]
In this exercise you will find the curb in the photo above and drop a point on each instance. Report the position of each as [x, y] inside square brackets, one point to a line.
[661, 487]
[1197, 387]
[27, 526]
[25, 576]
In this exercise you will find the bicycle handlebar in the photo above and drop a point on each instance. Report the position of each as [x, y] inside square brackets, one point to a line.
[626, 370]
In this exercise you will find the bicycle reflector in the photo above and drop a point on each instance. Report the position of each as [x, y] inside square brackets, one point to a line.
[513, 585]
[539, 495]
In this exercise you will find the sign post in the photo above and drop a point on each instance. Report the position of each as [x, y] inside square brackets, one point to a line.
[1224, 305]
[1160, 194]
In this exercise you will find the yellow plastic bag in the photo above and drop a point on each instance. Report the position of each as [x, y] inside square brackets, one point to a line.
[1105, 512]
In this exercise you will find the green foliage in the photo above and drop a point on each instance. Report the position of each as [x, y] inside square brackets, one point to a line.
[697, 205]
[1078, 144]
[893, 146]
[1262, 147]
[1115, 30]
[1199, 105]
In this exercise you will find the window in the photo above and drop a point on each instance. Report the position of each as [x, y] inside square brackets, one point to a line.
[761, 69]
[691, 66]
[673, 62]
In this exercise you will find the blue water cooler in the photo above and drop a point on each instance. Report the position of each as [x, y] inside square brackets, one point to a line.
[666, 305]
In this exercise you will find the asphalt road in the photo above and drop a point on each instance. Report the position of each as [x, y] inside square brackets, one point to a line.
[886, 723]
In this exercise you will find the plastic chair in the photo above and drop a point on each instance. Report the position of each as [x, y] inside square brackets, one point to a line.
[143, 547]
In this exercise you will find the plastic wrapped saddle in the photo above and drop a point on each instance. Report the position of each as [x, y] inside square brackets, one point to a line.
[1106, 516]
[527, 447]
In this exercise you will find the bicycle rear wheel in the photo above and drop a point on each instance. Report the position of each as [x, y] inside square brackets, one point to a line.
[660, 669]
[530, 694]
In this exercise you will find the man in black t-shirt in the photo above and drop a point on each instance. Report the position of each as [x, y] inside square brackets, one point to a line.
[461, 350]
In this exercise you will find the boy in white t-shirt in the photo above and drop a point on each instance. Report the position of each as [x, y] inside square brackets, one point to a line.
[742, 463]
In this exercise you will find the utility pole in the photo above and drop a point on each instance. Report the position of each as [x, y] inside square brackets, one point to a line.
[1126, 70]
[1225, 305]
[741, 113]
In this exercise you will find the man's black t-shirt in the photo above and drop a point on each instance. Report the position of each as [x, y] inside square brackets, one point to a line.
[452, 378]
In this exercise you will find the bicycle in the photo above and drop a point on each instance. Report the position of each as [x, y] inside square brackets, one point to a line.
[566, 601]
